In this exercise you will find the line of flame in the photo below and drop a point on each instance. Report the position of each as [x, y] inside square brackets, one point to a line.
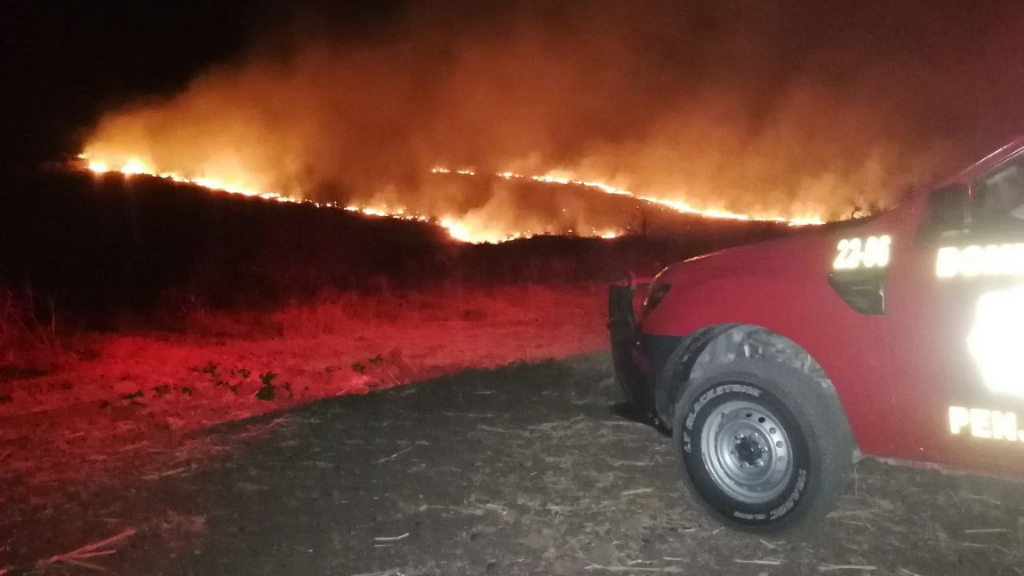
[455, 227]
[681, 207]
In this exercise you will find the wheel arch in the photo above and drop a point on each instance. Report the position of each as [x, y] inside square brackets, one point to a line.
[704, 349]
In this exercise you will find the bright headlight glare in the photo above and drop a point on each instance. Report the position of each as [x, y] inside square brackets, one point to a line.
[994, 340]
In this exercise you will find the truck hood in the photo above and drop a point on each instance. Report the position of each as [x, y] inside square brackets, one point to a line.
[783, 257]
[796, 258]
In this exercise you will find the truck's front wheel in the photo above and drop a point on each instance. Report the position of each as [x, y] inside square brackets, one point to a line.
[763, 444]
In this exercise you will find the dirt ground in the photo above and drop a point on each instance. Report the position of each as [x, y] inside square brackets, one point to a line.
[524, 469]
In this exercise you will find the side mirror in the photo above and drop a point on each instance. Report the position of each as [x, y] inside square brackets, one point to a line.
[949, 209]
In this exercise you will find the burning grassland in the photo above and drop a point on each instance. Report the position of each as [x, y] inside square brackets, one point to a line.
[570, 208]
[787, 124]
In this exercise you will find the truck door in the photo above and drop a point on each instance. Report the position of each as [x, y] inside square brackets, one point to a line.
[957, 299]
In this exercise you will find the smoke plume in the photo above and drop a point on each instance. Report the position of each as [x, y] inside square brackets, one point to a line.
[794, 109]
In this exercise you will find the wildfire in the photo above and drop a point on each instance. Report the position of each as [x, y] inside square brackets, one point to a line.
[681, 207]
[455, 227]
[461, 229]
[135, 166]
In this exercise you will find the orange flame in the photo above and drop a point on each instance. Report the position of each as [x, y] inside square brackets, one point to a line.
[459, 228]
[681, 207]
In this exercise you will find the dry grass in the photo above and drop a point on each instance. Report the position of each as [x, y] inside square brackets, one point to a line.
[338, 313]
[82, 556]
[29, 339]
[145, 392]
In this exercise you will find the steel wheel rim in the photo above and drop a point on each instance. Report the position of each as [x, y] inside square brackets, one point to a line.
[747, 451]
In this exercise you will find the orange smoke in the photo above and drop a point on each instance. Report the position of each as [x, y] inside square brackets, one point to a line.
[559, 108]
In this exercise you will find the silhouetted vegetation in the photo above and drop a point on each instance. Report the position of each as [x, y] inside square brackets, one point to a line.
[103, 246]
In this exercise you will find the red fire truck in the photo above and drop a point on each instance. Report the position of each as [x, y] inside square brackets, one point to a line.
[896, 336]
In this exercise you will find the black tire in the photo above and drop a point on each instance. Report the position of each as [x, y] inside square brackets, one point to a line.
[819, 444]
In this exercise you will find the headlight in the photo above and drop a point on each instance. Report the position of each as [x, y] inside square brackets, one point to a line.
[994, 340]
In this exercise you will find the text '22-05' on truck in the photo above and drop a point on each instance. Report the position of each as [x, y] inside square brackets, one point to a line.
[898, 336]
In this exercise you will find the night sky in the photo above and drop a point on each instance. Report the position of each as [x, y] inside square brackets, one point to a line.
[64, 62]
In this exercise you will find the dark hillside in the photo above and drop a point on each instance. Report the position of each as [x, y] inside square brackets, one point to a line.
[102, 244]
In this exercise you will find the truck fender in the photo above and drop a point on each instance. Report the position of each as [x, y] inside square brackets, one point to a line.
[714, 345]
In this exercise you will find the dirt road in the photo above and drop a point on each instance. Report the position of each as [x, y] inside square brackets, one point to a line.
[527, 469]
